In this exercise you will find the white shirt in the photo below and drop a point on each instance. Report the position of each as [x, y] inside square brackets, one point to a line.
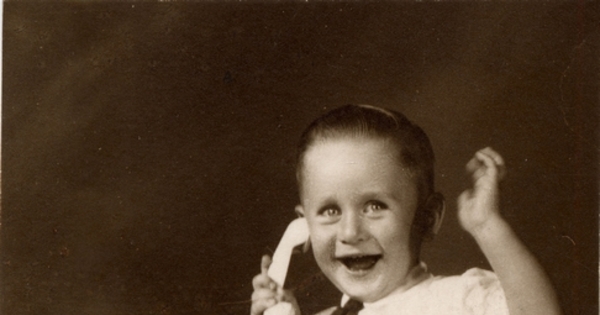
[475, 292]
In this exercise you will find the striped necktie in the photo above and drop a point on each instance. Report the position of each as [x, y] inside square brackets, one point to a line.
[350, 308]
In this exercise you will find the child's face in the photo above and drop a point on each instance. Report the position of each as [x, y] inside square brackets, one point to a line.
[359, 203]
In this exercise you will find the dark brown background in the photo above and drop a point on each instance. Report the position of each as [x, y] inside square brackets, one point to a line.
[148, 148]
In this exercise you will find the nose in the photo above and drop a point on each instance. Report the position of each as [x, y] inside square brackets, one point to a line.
[351, 229]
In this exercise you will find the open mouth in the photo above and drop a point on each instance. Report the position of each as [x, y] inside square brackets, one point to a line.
[360, 263]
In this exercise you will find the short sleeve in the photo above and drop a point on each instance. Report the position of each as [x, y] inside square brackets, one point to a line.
[483, 293]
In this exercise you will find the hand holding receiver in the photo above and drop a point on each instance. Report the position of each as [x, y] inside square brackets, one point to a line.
[269, 296]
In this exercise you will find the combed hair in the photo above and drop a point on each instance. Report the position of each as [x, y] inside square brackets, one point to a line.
[356, 121]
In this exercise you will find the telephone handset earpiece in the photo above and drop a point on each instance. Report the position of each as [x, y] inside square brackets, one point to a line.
[295, 234]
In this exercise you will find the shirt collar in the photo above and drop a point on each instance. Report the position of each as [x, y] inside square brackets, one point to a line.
[416, 275]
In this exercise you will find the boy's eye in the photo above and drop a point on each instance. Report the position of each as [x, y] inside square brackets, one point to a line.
[329, 212]
[375, 206]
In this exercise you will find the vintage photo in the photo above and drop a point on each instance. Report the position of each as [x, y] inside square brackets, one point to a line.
[442, 157]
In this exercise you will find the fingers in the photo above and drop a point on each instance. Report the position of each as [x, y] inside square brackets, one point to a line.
[497, 159]
[486, 160]
[266, 291]
[475, 168]
[262, 280]
[473, 165]
[493, 154]
[262, 299]
[264, 264]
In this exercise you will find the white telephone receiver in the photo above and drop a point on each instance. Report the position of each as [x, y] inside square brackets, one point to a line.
[295, 234]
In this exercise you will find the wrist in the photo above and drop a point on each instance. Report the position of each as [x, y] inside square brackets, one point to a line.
[492, 230]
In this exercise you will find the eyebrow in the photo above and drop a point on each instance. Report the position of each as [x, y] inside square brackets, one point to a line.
[378, 195]
[368, 195]
[329, 200]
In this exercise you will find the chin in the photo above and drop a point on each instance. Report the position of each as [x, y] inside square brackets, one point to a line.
[365, 286]
[364, 293]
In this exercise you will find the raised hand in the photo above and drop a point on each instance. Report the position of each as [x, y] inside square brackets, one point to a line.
[480, 204]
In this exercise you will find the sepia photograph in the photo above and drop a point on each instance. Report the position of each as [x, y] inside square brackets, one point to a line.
[299, 157]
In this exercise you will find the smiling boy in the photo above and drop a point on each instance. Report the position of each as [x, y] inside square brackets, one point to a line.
[360, 216]
[365, 177]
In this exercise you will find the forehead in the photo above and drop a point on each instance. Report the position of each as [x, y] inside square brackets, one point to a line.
[352, 149]
[348, 159]
[356, 147]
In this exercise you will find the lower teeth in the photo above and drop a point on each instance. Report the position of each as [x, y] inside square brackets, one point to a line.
[361, 263]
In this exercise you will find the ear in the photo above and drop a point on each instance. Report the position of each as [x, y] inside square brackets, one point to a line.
[299, 211]
[436, 207]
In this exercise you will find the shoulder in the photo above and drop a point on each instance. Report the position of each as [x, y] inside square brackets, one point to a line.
[472, 279]
[476, 289]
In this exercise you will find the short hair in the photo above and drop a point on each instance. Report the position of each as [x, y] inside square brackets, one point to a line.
[413, 145]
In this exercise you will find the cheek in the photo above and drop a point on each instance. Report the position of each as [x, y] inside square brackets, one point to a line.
[393, 235]
[323, 243]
